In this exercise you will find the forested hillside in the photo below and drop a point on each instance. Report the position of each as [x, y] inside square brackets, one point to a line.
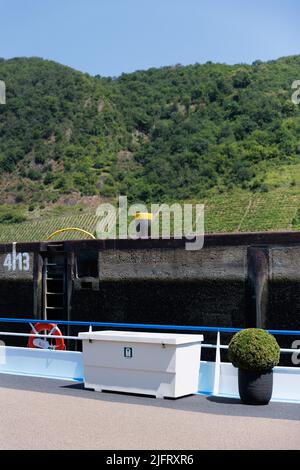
[174, 133]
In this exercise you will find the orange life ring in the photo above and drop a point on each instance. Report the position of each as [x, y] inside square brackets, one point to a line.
[51, 329]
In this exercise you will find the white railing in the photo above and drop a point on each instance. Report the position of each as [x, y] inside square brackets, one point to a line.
[219, 372]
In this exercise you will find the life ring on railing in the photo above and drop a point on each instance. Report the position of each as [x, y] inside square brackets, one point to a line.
[40, 343]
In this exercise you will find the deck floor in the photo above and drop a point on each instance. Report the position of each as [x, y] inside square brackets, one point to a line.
[52, 414]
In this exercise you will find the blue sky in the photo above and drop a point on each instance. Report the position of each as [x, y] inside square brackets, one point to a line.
[108, 37]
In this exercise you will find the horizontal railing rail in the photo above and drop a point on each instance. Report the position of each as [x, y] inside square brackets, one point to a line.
[37, 335]
[76, 338]
[213, 329]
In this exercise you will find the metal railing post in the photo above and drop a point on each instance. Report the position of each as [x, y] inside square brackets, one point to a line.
[216, 388]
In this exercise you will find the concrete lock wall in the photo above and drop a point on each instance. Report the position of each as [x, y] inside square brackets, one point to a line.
[235, 280]
[284, 288]
[226, 263]
[169, 286]
[16, 291]
[235, 286]
[16, 283]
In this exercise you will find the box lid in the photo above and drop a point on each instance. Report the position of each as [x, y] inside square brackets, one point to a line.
[141, 337]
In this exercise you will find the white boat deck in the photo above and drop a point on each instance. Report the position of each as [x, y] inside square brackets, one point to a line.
[54, 414]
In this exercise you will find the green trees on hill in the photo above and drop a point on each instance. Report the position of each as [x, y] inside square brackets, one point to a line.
[160, 135]
[214, 127]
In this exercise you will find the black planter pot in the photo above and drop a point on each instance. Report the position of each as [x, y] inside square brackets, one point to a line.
[255, 387]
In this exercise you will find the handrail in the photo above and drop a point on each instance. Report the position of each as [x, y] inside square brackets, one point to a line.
[37, 335]
[71, 229]
[76, 338]
[149, 326]
[123, 325]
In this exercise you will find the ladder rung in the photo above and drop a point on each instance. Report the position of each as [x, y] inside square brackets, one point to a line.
[55, 264]
[54, 279]
[54, 308]
[55, 293]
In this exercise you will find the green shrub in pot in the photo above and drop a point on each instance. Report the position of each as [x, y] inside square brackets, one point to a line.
[254, 352]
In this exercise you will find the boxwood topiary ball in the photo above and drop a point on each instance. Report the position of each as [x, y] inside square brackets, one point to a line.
[254, 349]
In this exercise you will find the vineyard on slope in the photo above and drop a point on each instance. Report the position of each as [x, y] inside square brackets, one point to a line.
[277, 210]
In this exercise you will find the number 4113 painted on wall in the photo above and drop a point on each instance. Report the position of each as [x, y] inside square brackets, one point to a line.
[17, 261]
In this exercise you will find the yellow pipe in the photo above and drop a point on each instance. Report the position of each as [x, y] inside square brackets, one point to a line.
[71, 229]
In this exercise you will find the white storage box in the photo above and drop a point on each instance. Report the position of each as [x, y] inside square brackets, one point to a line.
[160, 364]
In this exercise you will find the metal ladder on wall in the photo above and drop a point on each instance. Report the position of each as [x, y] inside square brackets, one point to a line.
[54, 283]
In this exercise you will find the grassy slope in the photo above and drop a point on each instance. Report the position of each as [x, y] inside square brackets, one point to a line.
[238, 211]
